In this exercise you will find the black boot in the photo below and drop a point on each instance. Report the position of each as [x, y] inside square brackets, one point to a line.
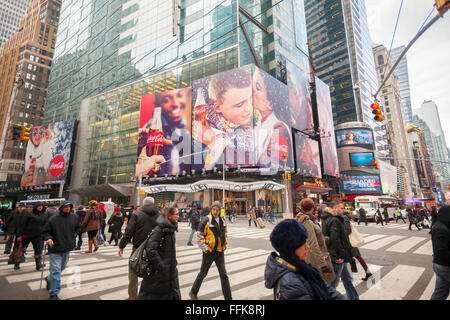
[38, 260]
[368, 275]
[17, 266]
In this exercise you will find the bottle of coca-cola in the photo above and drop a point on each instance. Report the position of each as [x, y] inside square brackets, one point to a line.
[156, 136]
[200, 107]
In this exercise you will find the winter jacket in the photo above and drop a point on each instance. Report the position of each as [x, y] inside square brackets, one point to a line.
[163, 283]
[292, 285]
[195, 218]
[440, 238]
[14, 220]
[140, 226]
[81, 215]
[62, 229]
[318, 255]
[93, 220]
[362, 213]
[5, 217]
[32, 223]
[333, 227]
[115, 222]
[212, 237]
[411, 216]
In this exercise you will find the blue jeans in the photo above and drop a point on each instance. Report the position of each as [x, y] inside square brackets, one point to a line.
[442, 288]
[58, 262]
[342, 273]
[191, 235]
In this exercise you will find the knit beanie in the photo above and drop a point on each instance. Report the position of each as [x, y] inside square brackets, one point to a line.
[148, 201]
[288, 236]
[216, 204]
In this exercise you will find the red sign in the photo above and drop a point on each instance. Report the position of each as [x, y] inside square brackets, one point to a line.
[57, 166]
[281, 148]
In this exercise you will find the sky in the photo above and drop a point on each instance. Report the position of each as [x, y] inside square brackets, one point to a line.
[428, 59]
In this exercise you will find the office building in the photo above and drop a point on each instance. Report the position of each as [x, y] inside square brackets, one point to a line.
[341, 49]
[27, 54]
[403, 82]
[11, 12]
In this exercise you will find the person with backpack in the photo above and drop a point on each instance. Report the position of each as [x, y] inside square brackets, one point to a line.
[287, 271]
[60, 234]
[81, 214]
[91, 224]
[115, 223]
[212, 239]
[139, 227]
[194, 220]
[163, 283]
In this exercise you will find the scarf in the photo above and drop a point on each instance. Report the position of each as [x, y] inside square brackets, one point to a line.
[314, 279]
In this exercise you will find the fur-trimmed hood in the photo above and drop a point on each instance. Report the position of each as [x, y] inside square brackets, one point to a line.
[330, 211]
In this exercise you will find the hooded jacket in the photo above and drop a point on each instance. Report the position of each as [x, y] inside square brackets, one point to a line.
[333, 227]
[292, 285]
[163, 283]
[440, 237]
[212, 236]
[33, 222]
[14, 220]
[140, 226]
[115, 222]
[62, 229]
[93, 219]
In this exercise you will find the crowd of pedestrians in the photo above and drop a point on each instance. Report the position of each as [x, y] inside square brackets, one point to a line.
[313, 252]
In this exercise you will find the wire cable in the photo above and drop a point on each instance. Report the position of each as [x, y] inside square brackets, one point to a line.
[396, 25]
[429, 15]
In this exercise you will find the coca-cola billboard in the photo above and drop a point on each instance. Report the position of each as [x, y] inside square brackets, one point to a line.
[48, 154]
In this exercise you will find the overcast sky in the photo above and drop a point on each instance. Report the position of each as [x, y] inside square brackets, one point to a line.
[428, 58]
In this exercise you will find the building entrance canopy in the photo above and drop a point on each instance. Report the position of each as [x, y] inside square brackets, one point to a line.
[215, 184]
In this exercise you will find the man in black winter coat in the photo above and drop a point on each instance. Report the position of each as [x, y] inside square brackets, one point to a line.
[138, 229]
[60, 235]
[29, 231]
[81, 214]
[440, 238]
[362, 216]
[339, 247]
[11, 226]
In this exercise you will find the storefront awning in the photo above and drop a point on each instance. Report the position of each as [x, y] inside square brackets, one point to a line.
[313, 189]
[102, 190]
[215, 184]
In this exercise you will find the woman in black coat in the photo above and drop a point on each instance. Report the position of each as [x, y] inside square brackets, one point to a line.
[115, 223]
[163, 282]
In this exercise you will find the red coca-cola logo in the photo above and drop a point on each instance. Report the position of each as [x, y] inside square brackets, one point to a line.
[200, 110]
[281, 148]
[155, 138]
[57, 166]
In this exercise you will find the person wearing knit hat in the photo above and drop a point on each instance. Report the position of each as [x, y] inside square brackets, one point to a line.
[212, 239]
[288, 274]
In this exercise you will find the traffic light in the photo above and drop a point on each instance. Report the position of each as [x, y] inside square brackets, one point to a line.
[376, 110]
[289, 176]
[25, 133]
[282, 176]
[16, 132]
[442, 6]
[377, 166]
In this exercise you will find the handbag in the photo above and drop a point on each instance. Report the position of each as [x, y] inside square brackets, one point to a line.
[99, 237]
[17, 255]
[355, 238]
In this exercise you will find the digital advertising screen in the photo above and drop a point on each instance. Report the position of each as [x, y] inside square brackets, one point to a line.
[362, 184]
[48, 154]
[325, 111]
[362, 159]
[165, 133]
[307, 155]
[352, 137]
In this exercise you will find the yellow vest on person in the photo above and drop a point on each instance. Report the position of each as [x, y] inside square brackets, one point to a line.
[209, 238]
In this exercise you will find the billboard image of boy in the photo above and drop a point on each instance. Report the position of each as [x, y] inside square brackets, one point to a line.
[228, 125]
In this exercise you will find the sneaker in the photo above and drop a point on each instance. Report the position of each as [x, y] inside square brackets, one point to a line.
[54, 297]
[190, 244]
[192, 296]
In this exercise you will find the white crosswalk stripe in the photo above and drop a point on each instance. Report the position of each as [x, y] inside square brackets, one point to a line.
[407, 244]
[375, 245]
[425, 249]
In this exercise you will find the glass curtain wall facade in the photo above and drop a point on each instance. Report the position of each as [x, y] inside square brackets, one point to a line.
[114, 118]
[104, 44]
[403, 83]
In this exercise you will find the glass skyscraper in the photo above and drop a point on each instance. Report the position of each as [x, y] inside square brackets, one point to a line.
[110, 53]
[403, 83]
[341, 49]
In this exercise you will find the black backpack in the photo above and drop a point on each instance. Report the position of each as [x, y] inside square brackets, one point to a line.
[139, 263]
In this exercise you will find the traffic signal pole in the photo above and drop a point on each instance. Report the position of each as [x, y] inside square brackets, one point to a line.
[420, 33]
